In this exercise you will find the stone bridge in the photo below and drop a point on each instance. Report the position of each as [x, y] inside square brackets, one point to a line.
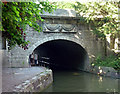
[65, 39]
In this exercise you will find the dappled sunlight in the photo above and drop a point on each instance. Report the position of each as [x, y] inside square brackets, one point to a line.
[70, 13]
[79, 33]
[18, 73]
[108, 38]
[116, 43]
[100, 79]
[100, 71]
[92, 56]
[76, 36]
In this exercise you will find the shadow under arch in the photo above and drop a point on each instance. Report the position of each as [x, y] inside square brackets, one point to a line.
[63, 54]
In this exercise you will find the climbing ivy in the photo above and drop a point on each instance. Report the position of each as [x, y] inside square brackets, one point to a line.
[15, 17]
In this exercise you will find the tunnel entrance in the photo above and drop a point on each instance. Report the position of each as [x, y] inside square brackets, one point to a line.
[62, 54]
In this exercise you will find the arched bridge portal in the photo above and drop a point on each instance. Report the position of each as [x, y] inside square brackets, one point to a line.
[66, 39]
[62, 54]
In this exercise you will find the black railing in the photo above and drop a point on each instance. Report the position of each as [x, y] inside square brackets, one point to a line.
[44, 61]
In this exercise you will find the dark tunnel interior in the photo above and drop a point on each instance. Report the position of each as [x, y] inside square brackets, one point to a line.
[62, 54]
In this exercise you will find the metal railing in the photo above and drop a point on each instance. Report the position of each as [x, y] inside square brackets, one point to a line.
[44, 62]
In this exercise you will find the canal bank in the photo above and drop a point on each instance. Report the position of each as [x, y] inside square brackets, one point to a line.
[31, 79]
[105, 71]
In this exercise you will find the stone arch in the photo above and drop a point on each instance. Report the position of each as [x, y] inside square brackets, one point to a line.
[35, 45]
[44, 40]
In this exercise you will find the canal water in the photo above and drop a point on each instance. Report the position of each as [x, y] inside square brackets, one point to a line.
[76, 81]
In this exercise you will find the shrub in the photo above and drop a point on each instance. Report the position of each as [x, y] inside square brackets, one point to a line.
[110, 61]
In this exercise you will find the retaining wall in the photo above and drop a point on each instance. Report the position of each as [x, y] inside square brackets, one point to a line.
[37, 84]
[105, 71]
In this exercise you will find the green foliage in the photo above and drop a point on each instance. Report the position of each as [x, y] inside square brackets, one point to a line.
[23, 62]
[102, 15]
[110, 61]
[64, 5]
[15, 17]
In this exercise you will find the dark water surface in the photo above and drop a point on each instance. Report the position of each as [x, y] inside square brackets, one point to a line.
[72, 81]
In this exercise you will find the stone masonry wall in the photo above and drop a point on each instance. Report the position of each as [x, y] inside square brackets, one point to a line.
[19, 56]
[37, 84]
[83, 36]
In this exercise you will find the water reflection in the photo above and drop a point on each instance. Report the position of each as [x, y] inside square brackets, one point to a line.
[70, 81]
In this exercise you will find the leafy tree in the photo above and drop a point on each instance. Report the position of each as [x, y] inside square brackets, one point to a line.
[15, 17]
[65, 5]
[102, 15]
[104, 19]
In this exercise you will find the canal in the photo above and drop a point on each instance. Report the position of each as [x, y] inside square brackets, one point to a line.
[63, 54]
[78, 81]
